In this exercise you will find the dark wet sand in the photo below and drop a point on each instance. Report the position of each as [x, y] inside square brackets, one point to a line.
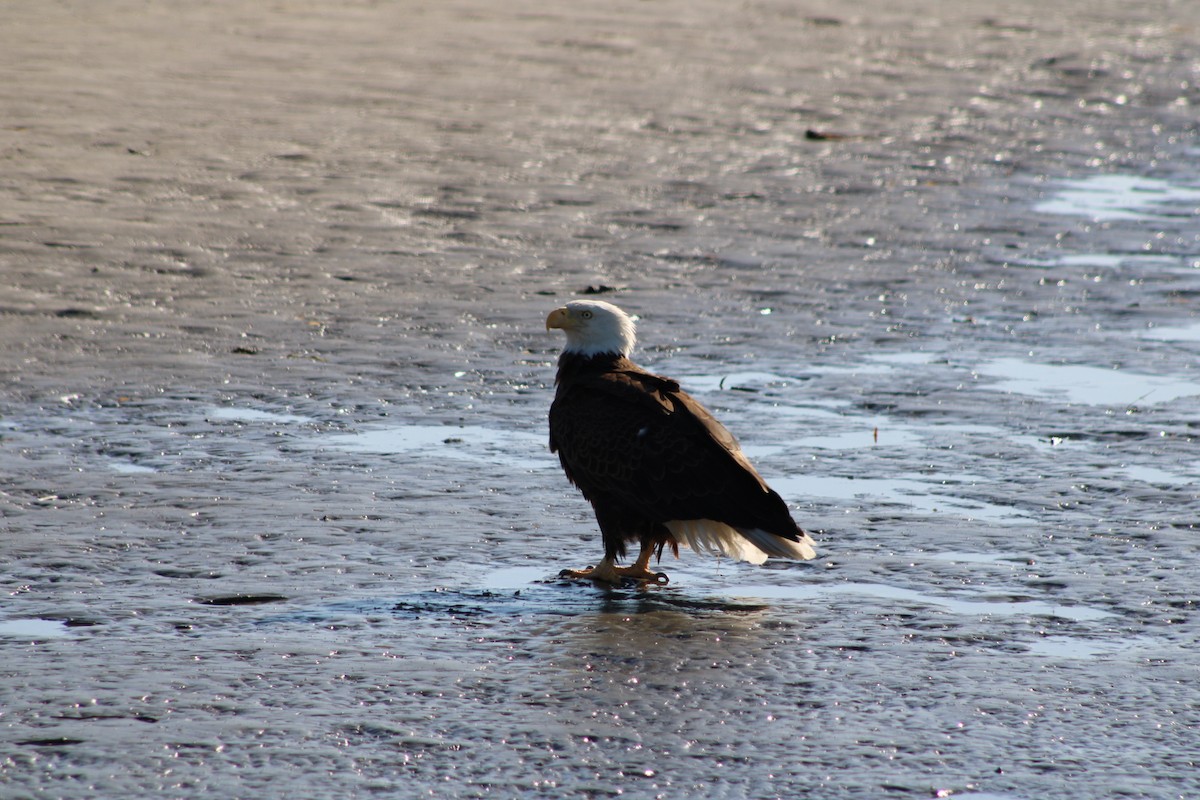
[276, 509]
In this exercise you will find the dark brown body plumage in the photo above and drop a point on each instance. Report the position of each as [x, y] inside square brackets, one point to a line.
[644, 453]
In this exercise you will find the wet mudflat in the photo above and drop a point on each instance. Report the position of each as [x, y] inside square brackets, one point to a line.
[278, 516]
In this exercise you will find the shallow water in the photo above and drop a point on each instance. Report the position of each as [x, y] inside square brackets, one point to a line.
[469, 442]
[1086, 384]
[1182, 333]
[278, 514]
[1122, 197]
[33, 628]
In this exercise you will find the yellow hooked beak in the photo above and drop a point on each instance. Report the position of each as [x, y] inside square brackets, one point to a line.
[559, 318]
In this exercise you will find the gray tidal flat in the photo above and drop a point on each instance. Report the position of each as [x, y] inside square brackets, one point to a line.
[277, 514]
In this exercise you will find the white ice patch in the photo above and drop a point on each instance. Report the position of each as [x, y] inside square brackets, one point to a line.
[750, 544]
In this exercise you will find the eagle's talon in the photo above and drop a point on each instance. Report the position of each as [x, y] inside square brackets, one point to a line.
[606, 572]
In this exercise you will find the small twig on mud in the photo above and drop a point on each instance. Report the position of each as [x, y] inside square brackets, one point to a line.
[1132, 407]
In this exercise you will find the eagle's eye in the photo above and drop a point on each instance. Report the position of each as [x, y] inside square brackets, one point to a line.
[585, 314]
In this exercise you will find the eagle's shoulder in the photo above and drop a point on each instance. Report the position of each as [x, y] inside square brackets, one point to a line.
[590, 392]
[615, 378]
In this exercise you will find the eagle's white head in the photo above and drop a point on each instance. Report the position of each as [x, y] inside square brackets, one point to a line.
[593, 328]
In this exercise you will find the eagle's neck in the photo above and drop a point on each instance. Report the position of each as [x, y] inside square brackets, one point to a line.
[572, 364]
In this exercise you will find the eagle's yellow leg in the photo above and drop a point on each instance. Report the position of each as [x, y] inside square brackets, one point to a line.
[607, 570]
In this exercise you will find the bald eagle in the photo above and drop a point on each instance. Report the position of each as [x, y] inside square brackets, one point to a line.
[656, 466]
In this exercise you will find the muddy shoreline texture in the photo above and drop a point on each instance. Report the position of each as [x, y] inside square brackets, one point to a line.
[278, 515]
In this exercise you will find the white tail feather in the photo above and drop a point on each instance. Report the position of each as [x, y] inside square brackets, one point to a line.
[744, 544]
